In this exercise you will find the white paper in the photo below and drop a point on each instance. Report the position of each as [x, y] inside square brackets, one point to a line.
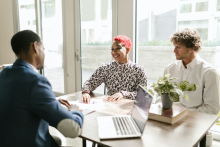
[73, 102]
[95, 104]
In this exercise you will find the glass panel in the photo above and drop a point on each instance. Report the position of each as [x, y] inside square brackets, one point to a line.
[156, 23]
[52, 34]
[200, 25]
[185, 8]
[218, 5]
[218, 31]
[27, 17]
[202, 6]
[96, 36]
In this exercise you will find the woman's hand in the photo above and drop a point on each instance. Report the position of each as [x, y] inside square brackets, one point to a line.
[85, 98]
[115, 97]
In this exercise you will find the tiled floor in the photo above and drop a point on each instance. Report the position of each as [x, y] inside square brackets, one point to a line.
[77, 142]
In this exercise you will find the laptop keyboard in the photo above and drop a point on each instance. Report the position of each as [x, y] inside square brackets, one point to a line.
[124, 127]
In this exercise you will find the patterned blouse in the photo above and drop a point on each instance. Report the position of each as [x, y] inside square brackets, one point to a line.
[117, 77]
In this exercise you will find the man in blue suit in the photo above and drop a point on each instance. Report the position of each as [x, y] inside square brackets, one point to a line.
[27, 102]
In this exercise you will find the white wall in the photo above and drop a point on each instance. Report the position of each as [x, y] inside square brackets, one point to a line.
[6, 32]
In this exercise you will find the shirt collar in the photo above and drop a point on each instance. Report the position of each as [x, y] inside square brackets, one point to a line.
[34, 68]
[192, 64]
[125, 64]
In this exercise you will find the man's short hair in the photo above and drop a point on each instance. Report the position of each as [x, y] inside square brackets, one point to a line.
[22, 40]
[124, 40]
[188, 37]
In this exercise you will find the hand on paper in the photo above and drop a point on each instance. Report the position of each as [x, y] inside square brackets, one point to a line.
[64, 102]
[115, 97]
[85, 98]
[74, 107]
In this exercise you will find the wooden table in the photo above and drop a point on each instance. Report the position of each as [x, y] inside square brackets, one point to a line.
[187, 132]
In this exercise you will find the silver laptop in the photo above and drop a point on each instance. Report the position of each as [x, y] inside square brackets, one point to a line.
[127, 126]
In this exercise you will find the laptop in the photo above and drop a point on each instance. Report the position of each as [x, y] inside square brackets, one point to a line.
[127, 126]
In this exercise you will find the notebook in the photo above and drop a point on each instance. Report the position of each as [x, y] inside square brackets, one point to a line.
[127, 126]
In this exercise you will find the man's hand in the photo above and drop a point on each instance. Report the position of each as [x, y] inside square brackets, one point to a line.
[64, 102]
[85, 98]
[115, 97]
[74, 107]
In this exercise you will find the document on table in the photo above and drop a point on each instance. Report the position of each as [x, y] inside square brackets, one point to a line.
[95, 104]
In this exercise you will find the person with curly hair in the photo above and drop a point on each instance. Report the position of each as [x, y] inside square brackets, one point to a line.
[192, 68]
[121, 76]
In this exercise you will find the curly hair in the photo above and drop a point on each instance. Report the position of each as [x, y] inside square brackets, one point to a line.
[188, 37]
[124, 40]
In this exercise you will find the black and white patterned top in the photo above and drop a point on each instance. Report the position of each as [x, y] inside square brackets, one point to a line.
[117, 77]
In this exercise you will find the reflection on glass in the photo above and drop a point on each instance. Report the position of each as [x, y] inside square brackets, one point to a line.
[185, 8]
[27, 18]
[202, 6]
[156, 23]
[52, 35]
[96, 36]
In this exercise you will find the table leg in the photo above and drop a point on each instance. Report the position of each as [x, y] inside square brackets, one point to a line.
[203, 142]
[84, 142]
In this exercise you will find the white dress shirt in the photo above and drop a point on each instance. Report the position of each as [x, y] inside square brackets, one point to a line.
[205, 76]
[68, 127]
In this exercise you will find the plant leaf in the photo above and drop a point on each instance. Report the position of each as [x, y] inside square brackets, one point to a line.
[174, 96]
[166, 76]
[191, 87]
[184, 85]
[186, 97]
[151, 91]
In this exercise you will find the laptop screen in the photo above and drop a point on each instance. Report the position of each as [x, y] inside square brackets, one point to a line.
[141, 107]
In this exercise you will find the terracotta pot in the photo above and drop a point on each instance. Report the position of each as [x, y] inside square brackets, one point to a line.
[166, 102]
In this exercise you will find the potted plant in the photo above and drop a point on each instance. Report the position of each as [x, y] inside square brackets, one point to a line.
[171, 91]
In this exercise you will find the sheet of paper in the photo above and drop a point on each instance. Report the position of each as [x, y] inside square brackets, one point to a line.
[73, 102]
[87, 111]
[95, 104]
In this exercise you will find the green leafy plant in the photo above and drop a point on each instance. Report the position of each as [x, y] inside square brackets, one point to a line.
[166, 85]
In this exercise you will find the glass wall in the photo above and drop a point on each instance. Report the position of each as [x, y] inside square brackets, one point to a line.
[200, 25]
[218, 30]
[52, 35]
[27, 17]
[156, 23]
[96, 36]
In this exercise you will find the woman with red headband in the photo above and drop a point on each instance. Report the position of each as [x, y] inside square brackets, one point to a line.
[121, 76]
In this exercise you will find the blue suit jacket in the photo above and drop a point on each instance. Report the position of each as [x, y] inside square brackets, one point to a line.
[28, 106]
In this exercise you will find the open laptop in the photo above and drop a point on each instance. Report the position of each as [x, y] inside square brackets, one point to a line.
[127, 126]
